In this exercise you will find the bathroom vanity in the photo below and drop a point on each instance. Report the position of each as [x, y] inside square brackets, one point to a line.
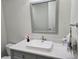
[21, 51]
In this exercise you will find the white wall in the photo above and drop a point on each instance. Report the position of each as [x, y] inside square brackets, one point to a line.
[74, 18]
[74, 11]
[18, 21]
[64, 17]
[64, 21]
[3, 33]
[16, 14]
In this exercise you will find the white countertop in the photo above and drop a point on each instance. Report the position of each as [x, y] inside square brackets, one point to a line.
[58, 50]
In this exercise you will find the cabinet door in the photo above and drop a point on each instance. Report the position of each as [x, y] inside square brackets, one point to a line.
[17, 55]
[42, 57]
[30, 56]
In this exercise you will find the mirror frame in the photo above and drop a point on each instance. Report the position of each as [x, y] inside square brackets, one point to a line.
[57, 17]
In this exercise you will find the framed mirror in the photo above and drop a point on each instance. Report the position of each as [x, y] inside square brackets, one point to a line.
[44, 17]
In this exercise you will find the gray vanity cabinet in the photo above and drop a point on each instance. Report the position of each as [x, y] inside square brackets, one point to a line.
[42, 57]
[30, 56]
[17, 55]
[22, 55]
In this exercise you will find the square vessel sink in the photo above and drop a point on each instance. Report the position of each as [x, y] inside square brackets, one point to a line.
[47, 45]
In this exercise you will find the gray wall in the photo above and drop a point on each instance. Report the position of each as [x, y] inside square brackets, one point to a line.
[3, 33]
[18, 21]
[15, 18]
[74, 18]
[64, 21]
[74, 11]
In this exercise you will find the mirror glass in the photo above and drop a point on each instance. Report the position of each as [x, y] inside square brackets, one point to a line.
[44, 17]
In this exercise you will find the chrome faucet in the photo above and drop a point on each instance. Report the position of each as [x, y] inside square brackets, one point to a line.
[43, 39]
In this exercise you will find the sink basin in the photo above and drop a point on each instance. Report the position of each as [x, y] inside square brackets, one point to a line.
[47, 45]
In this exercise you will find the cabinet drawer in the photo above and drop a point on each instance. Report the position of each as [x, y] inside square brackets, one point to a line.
[18, 54]
[30, 56]
[15, 57]
[42, 57]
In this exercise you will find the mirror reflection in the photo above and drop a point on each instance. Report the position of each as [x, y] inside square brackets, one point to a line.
[44, 17]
